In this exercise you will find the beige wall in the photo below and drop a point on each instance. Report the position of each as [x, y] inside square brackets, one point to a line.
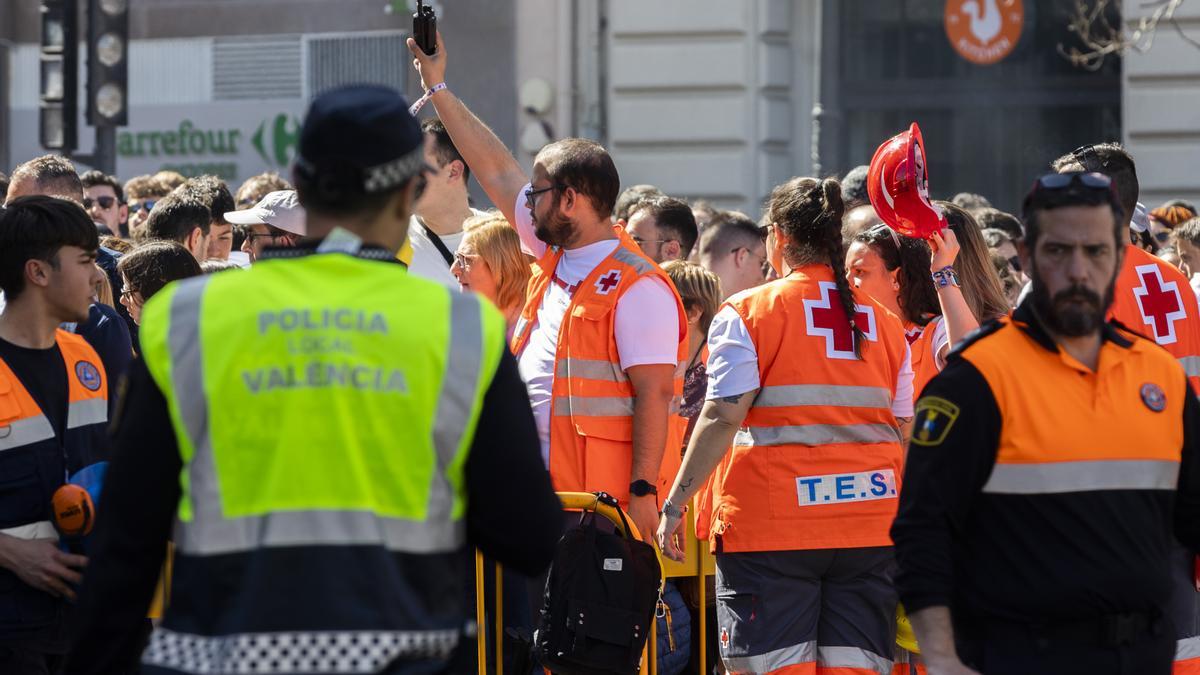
[1161, 100]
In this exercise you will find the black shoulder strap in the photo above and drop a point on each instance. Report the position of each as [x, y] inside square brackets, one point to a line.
[437, 241]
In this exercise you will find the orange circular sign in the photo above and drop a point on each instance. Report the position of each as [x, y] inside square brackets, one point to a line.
[984, 31]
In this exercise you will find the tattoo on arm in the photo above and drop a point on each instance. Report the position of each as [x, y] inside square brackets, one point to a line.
[683, 485]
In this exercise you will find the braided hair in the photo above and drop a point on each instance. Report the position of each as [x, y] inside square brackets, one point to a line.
[809, 212]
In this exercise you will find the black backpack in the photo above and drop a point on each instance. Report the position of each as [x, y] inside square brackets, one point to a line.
[599, 602]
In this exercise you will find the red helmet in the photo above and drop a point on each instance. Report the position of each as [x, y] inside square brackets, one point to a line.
[898, 185]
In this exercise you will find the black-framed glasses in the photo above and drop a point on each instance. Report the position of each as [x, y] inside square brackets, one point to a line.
[1061, 181]
[531, 194]
[764, 259]
[105, 203]
[128, 293]
[146, 205]
[251, 236]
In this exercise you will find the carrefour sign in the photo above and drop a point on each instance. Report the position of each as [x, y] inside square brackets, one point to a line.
[233, 140]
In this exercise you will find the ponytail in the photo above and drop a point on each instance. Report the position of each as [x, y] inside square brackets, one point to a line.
[810, 212]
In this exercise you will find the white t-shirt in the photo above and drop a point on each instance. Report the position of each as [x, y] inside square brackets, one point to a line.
[940, 341]
[647, 322]
[733, 363]
[427, 260]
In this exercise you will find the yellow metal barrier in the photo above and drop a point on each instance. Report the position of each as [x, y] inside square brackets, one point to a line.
[698, 563]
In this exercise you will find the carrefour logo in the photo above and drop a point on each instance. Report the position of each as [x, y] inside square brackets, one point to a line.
[276, 139]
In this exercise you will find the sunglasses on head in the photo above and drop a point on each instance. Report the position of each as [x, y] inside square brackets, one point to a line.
[1089, 180]
[884, 227]
[104, 202]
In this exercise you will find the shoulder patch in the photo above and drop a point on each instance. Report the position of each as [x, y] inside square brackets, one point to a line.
[932, 420]
[984, 330]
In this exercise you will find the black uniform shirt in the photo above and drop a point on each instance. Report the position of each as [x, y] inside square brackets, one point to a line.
[1039, 555]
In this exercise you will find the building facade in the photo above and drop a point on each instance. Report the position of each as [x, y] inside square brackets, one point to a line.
[706, 99]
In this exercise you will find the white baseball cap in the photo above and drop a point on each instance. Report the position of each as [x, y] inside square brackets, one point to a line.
[279, 209]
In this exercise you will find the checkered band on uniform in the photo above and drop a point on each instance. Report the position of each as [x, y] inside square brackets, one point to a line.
[390, 174]
[294, 652]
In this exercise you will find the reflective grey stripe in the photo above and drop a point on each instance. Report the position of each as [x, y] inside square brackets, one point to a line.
[805, 652]
[1108, 474]
[852, 657]
[818, 434]
[1191, 365]
[1187, 648]
[87, 411]
[210, 532]
[593, 406]
[24, 432]
[778, 396]
[519, 329]
[42, 529]
[632, 259]
[464, 356]
[214, 536]
[294, 652]
[590, 369]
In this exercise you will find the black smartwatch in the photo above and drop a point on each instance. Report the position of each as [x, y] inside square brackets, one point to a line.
[641, 488]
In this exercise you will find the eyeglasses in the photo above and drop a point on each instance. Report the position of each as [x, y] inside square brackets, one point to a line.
[463, 260]
[639, 241]
[128, 293]
[138, 207]
[884, 227]
[1015, 263]
[105, 203]
[531, 194]
[764, 260]
[251, 236]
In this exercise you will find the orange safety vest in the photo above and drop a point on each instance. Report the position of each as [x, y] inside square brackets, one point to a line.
[36, 462]
[817, 462]
[1154, 298]
[591, 418]
[924, 360]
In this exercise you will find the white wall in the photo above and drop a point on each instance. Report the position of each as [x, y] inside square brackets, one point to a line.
[1161, 102]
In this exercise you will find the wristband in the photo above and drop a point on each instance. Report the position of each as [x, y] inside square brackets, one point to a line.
[945, 277]
[416, 107]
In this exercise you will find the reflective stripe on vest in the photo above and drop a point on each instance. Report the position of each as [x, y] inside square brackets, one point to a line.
[1191, 365]
[1083, 476]
[210, 532]
[787, 395]
[590, 369]
[295, 652]
[817, 434]
[24, 432]
[87, 411]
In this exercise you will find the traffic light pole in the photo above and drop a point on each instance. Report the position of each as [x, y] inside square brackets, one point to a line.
[104, 155]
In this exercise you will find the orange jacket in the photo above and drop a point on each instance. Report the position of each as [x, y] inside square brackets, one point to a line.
[591, 420]
[924, 360]
[1155, 299]
[817, 462]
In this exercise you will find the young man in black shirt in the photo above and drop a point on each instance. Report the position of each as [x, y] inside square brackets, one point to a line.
[53, 413]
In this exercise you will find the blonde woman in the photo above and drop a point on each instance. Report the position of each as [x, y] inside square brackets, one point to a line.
[489, 262]
[700, 291]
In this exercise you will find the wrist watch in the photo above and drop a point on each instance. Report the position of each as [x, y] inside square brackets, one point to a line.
[641, 488]
[671, 511]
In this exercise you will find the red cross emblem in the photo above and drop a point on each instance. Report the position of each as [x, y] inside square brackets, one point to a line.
[608, 282]
[826, 318]
[1159, 302]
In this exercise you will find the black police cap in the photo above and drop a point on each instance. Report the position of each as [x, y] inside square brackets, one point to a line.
[360, 139]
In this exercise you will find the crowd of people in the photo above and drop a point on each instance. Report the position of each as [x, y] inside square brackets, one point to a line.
[322, 390]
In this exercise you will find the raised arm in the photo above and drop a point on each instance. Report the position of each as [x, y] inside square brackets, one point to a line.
[489, 160]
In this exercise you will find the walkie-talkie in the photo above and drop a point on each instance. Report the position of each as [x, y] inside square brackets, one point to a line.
[425, 28]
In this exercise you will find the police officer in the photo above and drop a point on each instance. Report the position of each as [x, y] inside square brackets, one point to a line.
[329, 433]
[1035, 523]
